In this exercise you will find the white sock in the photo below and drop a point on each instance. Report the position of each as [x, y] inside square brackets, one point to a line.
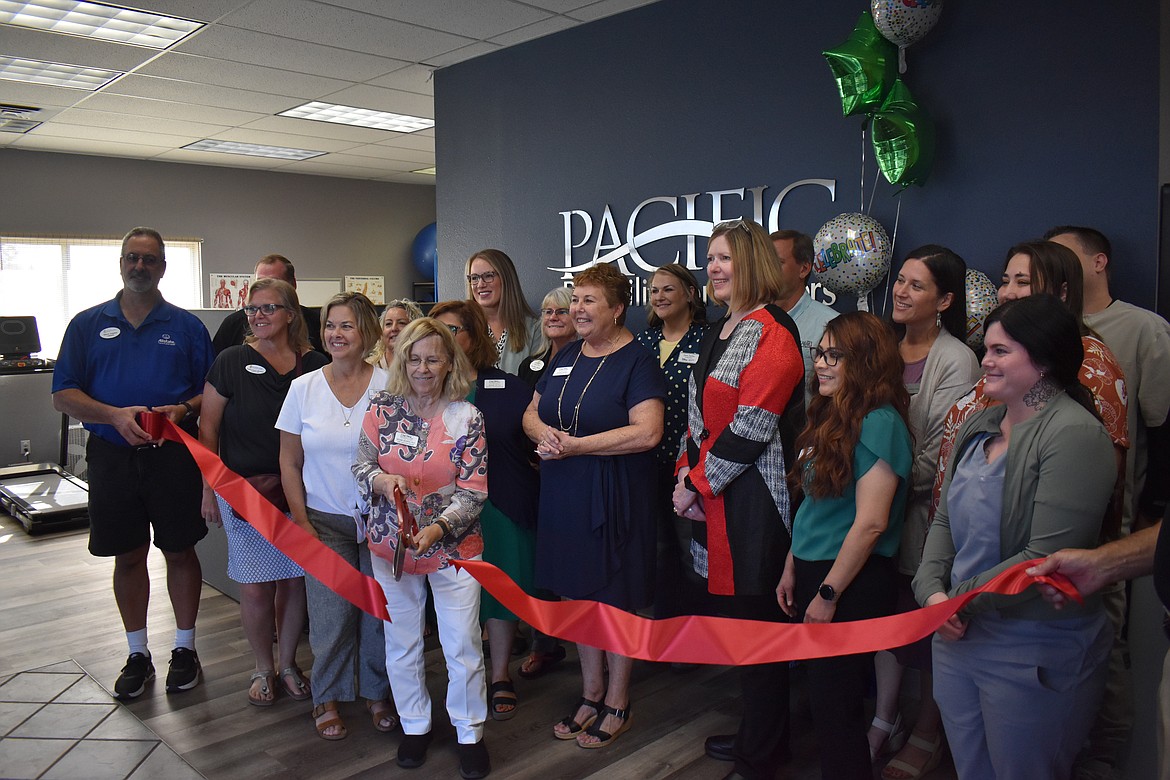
[185, 637]
[137, 642]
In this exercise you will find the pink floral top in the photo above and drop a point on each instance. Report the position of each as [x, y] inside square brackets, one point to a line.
[444, 460]
[1100, 373]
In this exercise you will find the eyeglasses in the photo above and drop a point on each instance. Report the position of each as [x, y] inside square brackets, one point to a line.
[830, 356]
[455, 329]
[267, 308]
[733, 224]
[132, 258]
[487, 277]
[551, 312]
[431, 362]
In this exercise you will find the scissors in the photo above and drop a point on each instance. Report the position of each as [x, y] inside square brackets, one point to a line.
[407, 528]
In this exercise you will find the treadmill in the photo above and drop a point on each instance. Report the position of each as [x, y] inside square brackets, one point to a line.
[42, 496]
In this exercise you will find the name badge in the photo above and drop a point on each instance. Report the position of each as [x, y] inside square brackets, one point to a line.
[252, 368]
[405, 438]
[690, 358]
[537, 365]
[493, 384]
[110, 333]
[562, 370]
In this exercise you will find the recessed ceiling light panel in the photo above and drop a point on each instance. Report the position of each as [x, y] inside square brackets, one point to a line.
[426, 171]
[55, 73]
[360, 117]
[253, 150]
[98, 20]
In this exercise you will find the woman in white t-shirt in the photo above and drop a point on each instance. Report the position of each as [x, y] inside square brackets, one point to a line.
[319, 426]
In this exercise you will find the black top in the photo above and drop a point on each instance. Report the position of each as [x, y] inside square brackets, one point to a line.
[249, 443]
[513, 482]
[234, 329]
[533, 368]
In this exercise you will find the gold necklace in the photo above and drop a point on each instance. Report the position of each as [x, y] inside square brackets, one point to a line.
[572, 429]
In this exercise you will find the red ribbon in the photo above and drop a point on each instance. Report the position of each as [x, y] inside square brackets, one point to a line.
[696, 639]
[298, 544]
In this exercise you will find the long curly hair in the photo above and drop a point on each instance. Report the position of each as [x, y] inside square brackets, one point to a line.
[872, 377]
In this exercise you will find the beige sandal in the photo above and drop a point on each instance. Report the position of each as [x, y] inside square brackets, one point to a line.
[267, 695]
[325, 716]
[380, 711]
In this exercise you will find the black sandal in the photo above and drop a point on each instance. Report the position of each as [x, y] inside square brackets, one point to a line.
[604, 737]
[536, 664]
[575, 728]
[503, 693]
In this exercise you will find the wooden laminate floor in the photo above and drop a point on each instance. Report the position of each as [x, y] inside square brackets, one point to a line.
[56, 604]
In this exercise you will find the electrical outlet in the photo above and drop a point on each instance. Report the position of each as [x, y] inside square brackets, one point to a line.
[25, 447]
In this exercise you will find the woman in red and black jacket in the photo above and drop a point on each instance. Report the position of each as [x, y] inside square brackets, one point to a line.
[746, 406]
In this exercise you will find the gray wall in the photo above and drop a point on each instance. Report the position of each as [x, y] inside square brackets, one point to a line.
[328, 227]
[1043, 118]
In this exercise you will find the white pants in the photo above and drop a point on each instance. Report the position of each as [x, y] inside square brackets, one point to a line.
[457, 608]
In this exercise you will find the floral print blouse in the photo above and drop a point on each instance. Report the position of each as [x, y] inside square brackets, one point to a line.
[444, 460]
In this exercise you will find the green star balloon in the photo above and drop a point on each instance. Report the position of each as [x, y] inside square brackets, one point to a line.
[864, 66]
[903, 138]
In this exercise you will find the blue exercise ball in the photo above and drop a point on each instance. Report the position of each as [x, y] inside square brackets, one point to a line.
[423, 251]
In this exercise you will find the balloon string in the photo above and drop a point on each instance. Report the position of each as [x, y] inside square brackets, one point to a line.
[901, 59]
[873, 191]
[893, 243]
[863, 127]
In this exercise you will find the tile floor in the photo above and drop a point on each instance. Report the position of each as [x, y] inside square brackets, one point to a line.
[57, 723]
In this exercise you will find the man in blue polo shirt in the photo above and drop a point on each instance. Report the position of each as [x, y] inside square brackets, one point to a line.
[129, 355]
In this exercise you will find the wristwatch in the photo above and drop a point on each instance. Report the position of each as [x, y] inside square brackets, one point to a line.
[827, 592]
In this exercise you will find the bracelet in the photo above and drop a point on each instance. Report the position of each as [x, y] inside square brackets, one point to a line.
[190, 408]
[444, 526]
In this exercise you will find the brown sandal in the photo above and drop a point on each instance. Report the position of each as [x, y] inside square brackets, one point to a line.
[325, 716]
[379, 711]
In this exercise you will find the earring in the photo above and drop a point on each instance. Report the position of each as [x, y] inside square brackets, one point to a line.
[615, 321]
[938, 319]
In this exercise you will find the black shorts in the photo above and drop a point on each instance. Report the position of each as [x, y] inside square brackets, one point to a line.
[132, 490]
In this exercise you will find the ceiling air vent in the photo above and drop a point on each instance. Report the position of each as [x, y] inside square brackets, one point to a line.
[17, 119]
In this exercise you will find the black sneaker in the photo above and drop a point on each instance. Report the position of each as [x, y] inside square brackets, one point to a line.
[184, 671]
[412, 750]
[473, 761]
[137, 672]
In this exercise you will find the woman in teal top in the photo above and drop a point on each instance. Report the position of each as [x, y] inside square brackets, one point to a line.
[853, 467]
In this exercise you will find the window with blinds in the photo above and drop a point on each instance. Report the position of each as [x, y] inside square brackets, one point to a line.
[55, 277]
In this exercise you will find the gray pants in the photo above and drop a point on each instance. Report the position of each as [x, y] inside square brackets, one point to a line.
[1018, 697]
[346, 642]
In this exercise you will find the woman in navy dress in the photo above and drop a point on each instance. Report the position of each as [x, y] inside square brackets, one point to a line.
[596, 418]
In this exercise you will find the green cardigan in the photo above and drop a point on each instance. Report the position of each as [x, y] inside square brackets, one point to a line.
[1057, 481]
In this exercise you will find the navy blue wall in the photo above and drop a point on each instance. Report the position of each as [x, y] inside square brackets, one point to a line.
[1046, 113]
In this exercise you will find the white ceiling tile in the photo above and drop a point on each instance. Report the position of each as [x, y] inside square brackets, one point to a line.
[135, 137]
[393, 153]
[408, 178]
[365, 163]
[328, 169]
[223, 73]
[195, 10]
[559, 6]
[413, 78]
[48, 143]
[256, 48]
[422, 143]
[40, 95]
[166, 109]
[481, 19]
[379, 99]
[200, 94]
[607, 8]
[246, 136]
[71, 49]
[533, 31]
[150, 124]
[462, 54]
[314, 129]
[332, 26]
[8, 138]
